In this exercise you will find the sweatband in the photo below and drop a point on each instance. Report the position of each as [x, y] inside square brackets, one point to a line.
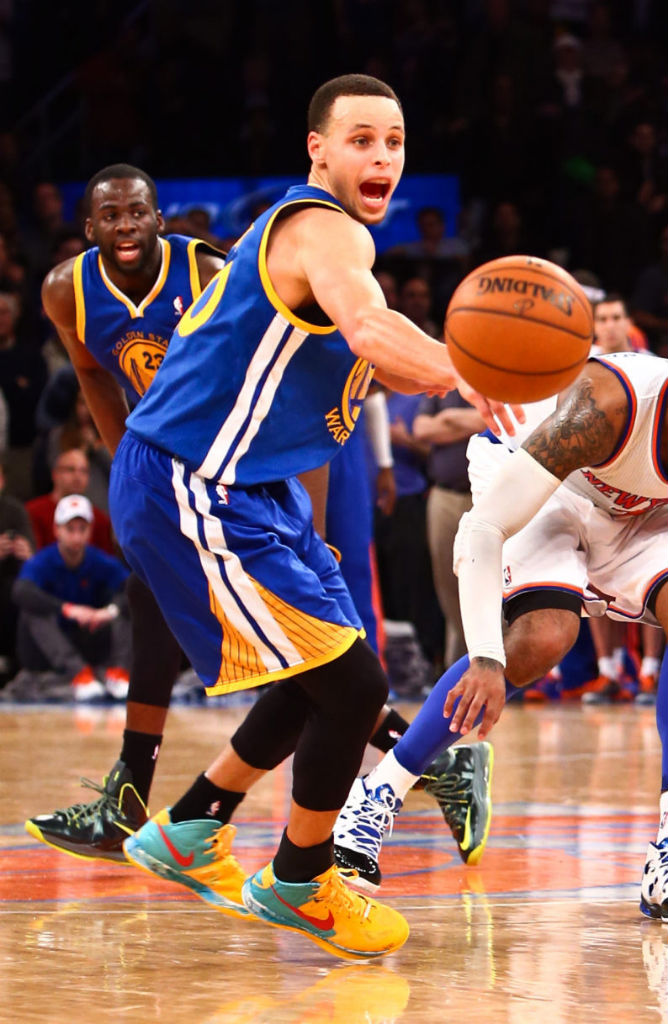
[377, 422]
[519, 489]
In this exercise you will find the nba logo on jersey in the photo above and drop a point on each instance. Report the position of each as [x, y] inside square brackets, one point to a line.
[221, 491]
[178, 306]
[507, 578]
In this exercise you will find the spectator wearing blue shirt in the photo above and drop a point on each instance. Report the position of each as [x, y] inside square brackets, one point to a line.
[71, 603]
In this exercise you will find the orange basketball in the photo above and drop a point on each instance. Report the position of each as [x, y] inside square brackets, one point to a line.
[519, 329]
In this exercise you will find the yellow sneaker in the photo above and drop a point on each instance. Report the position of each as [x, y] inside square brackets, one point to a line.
[326, 911]
[196, 854]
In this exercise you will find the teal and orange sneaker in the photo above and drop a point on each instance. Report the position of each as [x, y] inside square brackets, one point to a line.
[328, 912]
[196, 854]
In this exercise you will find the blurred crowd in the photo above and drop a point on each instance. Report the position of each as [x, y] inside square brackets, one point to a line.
[552, 113]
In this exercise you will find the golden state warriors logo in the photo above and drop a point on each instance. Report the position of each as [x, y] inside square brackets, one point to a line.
[139, 358]
[341, 421]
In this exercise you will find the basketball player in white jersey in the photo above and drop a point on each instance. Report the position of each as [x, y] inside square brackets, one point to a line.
[576, 519]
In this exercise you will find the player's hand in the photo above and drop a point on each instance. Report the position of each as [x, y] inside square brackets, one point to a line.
[482, 686]
[495, 414]
[386, 491]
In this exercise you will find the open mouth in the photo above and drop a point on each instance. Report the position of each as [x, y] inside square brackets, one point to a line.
[127, 251]
[375, 191]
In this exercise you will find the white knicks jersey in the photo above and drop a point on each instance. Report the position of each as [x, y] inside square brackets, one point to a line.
[633, 480]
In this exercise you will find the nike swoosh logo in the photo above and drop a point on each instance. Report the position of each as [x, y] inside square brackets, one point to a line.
[317, 922]
[184, 862]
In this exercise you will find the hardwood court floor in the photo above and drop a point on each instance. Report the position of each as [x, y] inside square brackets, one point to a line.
[546, 929]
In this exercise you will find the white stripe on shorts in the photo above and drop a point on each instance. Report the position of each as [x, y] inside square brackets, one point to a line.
[237, 582]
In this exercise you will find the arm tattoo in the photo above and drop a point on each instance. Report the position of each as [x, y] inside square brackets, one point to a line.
[578, 434]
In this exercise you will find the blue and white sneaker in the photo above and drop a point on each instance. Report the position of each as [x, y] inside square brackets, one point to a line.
[360, 829]
[654, 886]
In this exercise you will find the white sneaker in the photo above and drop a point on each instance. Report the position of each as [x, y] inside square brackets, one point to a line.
[359, 831]
[117, 683]
[87, 687]
[654, 886]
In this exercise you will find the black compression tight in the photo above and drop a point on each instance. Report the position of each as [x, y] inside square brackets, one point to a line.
[325, 716]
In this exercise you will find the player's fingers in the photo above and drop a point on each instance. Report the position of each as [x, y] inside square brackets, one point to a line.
[502, 413]
[519, 413]
[474, 707]
[451, 698]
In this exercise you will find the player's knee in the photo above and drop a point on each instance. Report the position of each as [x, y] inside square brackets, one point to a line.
[354, 684]
[537, 641]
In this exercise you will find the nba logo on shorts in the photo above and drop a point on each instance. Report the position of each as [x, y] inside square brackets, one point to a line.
[507, 578]
[221, 491]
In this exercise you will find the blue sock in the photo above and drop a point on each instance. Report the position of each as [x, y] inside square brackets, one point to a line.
[662, 718]
[429, 732]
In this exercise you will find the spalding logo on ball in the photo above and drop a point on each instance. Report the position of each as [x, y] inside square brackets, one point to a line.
[519, 329]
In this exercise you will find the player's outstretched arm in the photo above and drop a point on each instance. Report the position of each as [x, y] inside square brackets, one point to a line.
[103, 394]
[583, 431]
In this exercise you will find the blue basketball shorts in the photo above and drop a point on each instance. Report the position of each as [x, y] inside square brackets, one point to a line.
[248, 588]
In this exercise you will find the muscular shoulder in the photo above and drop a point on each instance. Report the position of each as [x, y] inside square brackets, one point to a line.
[209, 262]
[585, 427]
[58, 294]
[324, 230]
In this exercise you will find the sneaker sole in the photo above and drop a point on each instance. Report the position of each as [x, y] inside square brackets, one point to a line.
[330, 947]
[651, 910]
[110, 857]
[474, 856]
[138, 856]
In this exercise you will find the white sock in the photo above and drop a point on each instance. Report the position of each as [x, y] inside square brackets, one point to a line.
[663, 818]
[390, 772]
[650, 666]
[607, 667]
[618, 662]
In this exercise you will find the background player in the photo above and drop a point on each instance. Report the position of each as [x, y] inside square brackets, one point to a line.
[115, 307]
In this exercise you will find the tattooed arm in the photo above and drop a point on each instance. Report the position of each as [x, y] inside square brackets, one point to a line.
[583, 431]
[586, 425]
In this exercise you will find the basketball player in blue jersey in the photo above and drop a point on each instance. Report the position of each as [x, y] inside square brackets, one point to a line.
[115, 308]
[262, 381]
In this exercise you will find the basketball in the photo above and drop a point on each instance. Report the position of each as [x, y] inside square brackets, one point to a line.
[519, 329]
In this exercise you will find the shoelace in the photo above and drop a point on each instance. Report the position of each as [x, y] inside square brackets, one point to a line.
[220, 843]
[87, 812]
[339, 897]
[371, 820]
[453, 786]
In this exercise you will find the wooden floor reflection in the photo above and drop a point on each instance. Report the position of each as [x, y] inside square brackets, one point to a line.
[546, 928]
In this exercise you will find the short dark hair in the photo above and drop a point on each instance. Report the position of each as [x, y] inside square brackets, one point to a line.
[324, 98]
[612, 297]
[118, 171]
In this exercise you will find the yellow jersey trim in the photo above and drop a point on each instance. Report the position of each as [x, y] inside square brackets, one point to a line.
[195, 283]
[137, 311]
[234, 685]
[269, 289]
[189, 322]
[79, 304]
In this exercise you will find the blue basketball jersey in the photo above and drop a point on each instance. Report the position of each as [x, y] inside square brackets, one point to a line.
[130, 341]
[265, 393]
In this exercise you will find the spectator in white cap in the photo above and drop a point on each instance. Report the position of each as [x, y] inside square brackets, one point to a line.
[73, 638]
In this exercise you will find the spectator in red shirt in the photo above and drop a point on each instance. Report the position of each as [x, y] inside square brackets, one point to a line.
[70, 475]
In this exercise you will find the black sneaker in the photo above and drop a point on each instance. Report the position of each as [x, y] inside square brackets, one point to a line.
[460, 780]
[95, 830]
